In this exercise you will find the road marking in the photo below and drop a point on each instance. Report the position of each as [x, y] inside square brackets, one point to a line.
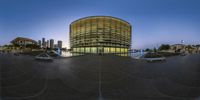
[100, 86]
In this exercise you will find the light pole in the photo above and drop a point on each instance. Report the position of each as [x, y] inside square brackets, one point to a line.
[184, 47]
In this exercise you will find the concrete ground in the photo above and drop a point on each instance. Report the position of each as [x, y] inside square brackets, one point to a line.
[94, 77]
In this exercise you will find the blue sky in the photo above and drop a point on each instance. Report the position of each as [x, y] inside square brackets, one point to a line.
[154, 22]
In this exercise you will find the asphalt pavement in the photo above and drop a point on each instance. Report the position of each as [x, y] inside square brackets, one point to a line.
[95, 77]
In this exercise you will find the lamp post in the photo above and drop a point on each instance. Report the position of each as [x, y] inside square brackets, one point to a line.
[184, 47]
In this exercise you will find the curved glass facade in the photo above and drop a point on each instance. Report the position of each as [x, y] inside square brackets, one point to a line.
[100, 34]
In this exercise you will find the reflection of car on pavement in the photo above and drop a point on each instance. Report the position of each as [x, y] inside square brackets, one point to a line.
[43, 56]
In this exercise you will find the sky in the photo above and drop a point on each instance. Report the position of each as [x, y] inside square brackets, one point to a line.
[154, 22]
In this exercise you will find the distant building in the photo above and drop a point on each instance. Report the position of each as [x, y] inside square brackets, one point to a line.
[39, 43]
[192, 48]
[51, 43]
[178, 47]
[43, 43]
[60, 44]
[198, 48]
[1, 48]
[55, 45]
[48, 44]
[21, 41]
[182, 48]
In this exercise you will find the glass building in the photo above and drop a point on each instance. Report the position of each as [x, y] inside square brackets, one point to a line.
[100, 34]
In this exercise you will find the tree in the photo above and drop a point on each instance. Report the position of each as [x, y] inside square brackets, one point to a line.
[32, 46]
[16, 45]
[154, 49]
[164, 47]
[189, 47]
[148, 50]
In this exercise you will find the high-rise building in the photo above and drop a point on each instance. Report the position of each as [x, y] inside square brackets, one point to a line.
[51, 43]
[39, 43]
[43, 43]
[60, 44]
[100, 34]
[48, 44]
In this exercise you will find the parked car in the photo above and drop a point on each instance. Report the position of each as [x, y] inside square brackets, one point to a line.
[44, 56]
[155, 59]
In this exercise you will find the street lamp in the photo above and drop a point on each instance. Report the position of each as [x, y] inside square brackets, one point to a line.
[184, 47]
